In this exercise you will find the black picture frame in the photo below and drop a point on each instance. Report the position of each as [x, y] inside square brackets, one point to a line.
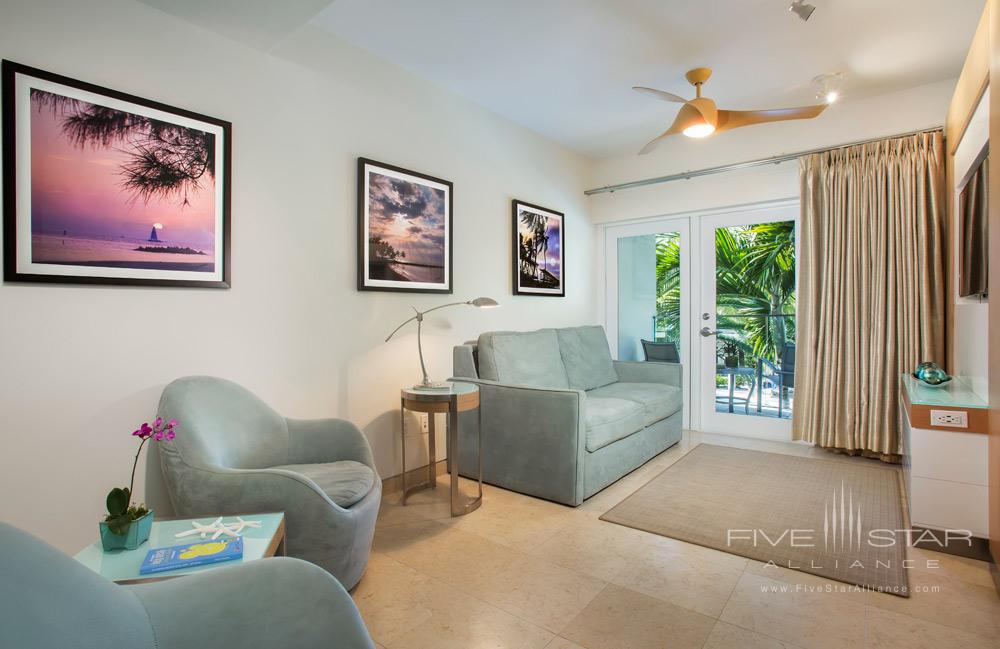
[519, 282]
[222, 270]
[366, 281]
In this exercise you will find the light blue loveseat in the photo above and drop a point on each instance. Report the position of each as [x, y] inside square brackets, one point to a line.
[562, 420]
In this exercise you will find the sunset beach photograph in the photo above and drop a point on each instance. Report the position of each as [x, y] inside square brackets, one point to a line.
[406, 223]
[108, 189]
[115, 189]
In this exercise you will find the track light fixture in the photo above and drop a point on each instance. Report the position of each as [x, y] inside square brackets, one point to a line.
[801, 9]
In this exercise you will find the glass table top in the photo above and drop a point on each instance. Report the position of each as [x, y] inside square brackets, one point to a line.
[123, 565]
[450, 388]
[956, 394]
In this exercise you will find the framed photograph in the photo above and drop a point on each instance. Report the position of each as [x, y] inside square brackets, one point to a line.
[404, 230]
[101, 187]
[538, 245]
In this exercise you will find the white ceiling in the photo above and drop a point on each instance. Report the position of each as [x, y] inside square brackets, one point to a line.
[564, 68]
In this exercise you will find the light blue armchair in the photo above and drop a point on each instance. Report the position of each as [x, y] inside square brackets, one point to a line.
[49, 600]
[562, 420]
[234, 454]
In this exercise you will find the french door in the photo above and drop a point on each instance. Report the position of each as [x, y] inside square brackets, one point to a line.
[716, 292]
[746, 332]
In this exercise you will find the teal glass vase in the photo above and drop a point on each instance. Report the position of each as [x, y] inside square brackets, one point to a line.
[137, 534]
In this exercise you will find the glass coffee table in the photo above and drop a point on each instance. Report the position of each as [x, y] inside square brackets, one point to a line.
[122, 566]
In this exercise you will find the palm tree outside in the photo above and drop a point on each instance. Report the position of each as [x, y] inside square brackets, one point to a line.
[755, 292]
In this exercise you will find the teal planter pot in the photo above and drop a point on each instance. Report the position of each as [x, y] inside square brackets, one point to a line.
[138, 533]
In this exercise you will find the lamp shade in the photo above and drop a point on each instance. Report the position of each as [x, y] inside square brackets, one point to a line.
[484, 302]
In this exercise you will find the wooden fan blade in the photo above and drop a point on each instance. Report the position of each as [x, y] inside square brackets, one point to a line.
[660, 94]
[730, 119]
[676, 127]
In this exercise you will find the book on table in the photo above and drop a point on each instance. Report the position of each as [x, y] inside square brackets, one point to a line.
[190, 555]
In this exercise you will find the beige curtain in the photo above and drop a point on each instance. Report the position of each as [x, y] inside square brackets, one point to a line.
[871, 288]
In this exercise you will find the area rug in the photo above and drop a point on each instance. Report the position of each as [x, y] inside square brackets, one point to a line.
[836, 519]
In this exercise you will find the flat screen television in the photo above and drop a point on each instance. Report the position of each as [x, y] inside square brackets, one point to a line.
[974, 234]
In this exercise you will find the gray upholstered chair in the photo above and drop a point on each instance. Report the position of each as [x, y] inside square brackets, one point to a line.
[49, 600]
[234, 454]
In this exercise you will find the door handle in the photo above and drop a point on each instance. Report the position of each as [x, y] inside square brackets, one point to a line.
[706, 332]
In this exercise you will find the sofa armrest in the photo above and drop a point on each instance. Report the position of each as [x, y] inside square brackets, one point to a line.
[464, 361]
[278, 602]
[647, 372]
[534, 439]
[327, 440]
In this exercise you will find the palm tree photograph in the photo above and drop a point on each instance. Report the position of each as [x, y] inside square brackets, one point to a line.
[538, 236]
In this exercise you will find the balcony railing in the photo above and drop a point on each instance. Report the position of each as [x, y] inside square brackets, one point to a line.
[755, 362]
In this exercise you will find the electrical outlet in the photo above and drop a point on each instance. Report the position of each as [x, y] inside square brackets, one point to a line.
[424, 426]
[952, 418]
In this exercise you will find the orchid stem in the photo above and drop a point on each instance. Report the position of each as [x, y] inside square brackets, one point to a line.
[131, 481]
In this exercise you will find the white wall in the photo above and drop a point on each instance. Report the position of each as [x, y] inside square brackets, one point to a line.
[81, 366]
[849, 121]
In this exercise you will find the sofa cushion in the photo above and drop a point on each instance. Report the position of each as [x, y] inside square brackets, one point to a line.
[609, 420]
[345, 482]
[528, 358]
[587, 357]
[657, 400]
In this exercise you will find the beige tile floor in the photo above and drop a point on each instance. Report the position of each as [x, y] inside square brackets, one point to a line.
[526, 573]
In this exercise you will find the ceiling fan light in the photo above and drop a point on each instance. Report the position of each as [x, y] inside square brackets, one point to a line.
[828, 86]
[703, 129]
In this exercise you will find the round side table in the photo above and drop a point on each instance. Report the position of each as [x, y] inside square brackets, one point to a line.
[460, 397]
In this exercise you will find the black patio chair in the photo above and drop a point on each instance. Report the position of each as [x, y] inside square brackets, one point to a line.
[661, 352]
[785, 373]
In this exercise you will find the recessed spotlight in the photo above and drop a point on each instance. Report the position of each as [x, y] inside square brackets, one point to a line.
[801, 9]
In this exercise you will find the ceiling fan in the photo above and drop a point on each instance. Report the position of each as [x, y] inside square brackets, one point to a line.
[699, 117]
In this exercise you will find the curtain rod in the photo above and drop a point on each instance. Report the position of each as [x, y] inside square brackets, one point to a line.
[777, 159]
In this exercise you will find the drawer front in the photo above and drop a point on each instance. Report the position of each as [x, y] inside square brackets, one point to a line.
[949, 505]
[954, 456]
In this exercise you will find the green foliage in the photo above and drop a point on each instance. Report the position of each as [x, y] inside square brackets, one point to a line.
[118, 519]
[668, 285]
[730, 349]
[120, 514]
[755, 281]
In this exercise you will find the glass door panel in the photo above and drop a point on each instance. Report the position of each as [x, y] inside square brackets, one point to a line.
[748, 316]
[649, 309]
[647, 298]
